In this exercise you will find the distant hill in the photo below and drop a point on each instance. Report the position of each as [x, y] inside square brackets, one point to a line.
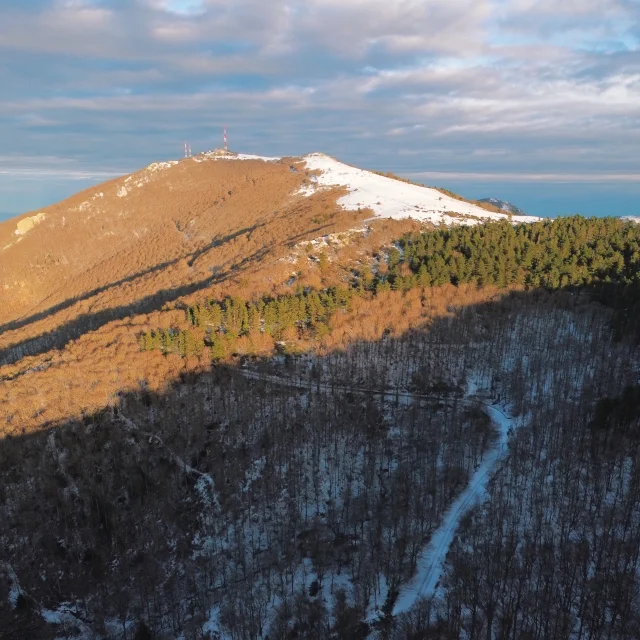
[503, 205]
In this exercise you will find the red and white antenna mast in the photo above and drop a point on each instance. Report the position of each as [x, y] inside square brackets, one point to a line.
[226, 148]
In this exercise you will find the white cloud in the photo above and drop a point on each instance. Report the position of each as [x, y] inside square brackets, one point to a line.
[32, 173]
[426, 83]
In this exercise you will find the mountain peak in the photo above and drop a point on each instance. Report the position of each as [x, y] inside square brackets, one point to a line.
[504, 205]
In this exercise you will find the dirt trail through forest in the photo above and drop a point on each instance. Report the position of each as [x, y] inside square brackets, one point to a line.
[394, 393]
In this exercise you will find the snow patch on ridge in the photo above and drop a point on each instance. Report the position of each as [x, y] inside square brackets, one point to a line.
[160, 166]
[432, 558]
[26, 224]
[245, 156]
[143, 177]
[390, 198]
[220, 154]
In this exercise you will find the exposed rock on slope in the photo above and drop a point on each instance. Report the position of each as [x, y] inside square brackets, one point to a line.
[26, 224]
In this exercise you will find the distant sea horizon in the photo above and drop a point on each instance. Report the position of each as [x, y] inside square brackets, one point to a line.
[547, 200]
[555, 200]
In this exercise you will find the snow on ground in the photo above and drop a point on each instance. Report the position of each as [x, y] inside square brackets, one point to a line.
[142, 177]
[14, 590]
[68, 617]
[253, 473]
[389, 198]
[303, 577]
[432, 557]
[220, 155]
[247, 156]
[160, 166]
[377, 600]
[213, 627]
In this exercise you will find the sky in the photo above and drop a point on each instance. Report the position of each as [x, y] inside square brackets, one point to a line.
[534, 101]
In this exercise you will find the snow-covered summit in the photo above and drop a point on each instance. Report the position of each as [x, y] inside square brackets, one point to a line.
[635, 219]
[221, 154]
[390, 198]
[386, 197]
[249, 156]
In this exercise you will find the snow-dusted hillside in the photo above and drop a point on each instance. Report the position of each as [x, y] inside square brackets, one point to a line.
[635, 219]
[389, 198]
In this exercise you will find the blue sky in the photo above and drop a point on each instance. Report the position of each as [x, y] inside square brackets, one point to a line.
[536, 101]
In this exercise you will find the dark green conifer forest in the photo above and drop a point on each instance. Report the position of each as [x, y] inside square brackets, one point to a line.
[557, 253]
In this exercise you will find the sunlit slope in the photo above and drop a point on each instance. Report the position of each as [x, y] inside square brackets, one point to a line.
[144, 226]
[161, 227]
[131, 245]
[164, 232]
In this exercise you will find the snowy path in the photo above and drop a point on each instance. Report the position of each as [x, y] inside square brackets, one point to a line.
[432, 558]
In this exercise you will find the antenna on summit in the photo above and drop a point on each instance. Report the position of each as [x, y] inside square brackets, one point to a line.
[187, 150]
[226, 148]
